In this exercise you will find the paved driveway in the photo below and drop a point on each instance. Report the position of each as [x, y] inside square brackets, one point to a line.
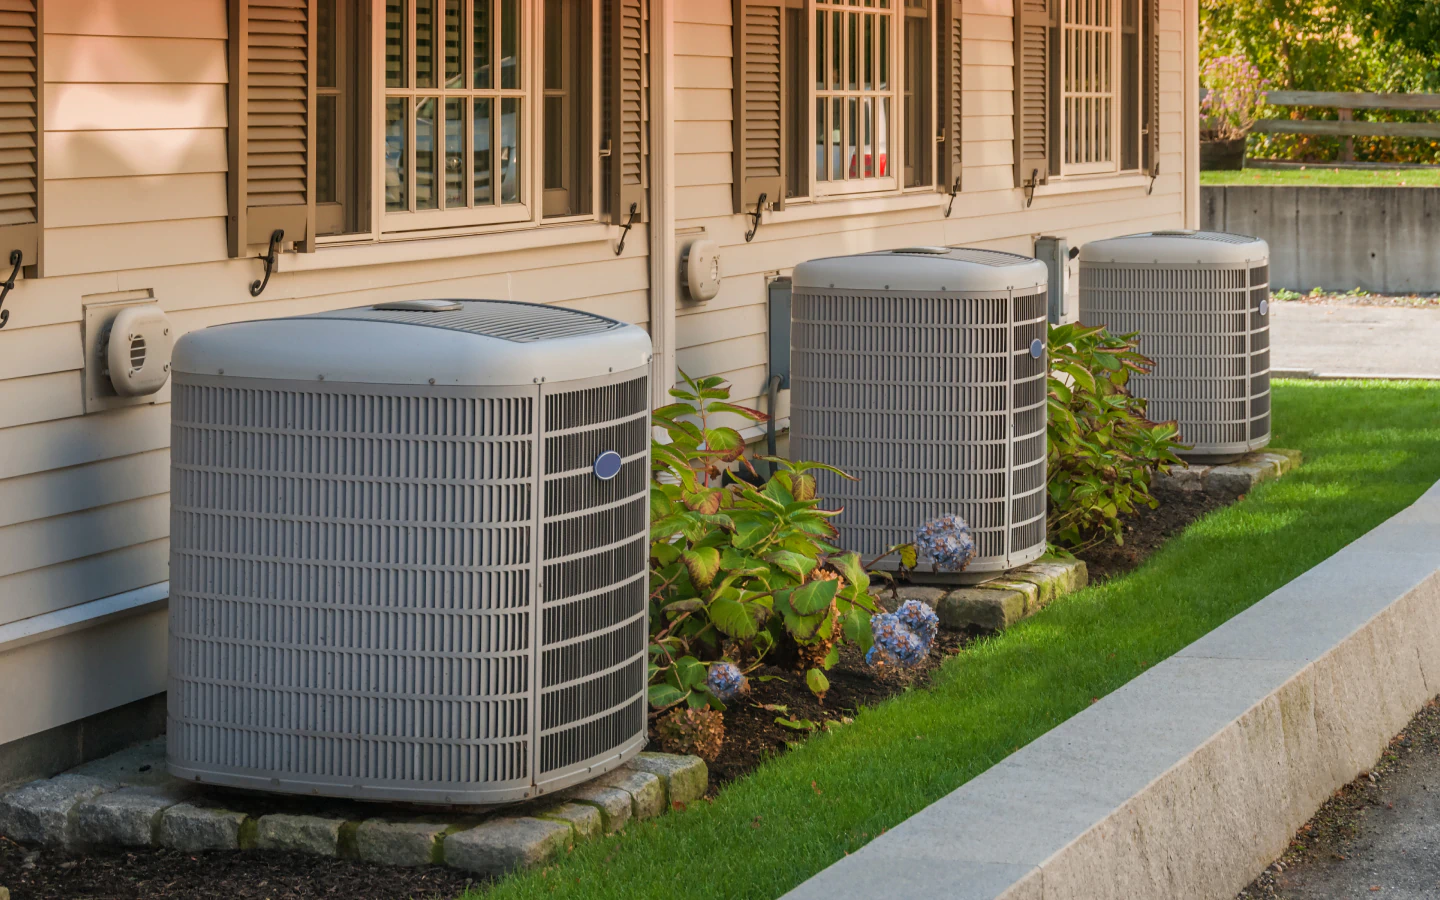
[1355, 340]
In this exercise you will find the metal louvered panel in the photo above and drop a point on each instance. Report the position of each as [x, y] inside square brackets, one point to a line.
[1206, 326]
[594, 586]
[758, 127]
[20, 116]
[935, 402]
[357, 575]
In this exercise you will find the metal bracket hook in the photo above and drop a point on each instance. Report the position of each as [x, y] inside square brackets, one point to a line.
[954, 192]
[1154, 173]
[755, 217]
[1030, 185]
[17, 257]
[257, 287]
[625, 229]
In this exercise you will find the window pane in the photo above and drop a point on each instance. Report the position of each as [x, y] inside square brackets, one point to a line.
[852, 64]
[482, 129]
[481, 37]
[882, 138]
[327, 149]
[426, 196]
[427, 17]
[819, 50]
[395, 53]
[509, 44]
[510, 149]
[885, 52]
[397, 156]
[454, 43]
[325, 44]
[853, 121]
[820, 174]
[554, 44]
[554, 134]
[454, 152]
[837, 50]
[837, 139]
[869, 43]
[867, 137]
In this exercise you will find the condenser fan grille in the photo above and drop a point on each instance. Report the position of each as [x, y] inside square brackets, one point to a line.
[935, 402]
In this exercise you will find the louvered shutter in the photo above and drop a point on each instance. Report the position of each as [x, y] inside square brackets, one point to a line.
[759, 138]
[272, 116]
[627, 106]
[20, 129]
[1150, 96]
[951, 95]
[1034, 116]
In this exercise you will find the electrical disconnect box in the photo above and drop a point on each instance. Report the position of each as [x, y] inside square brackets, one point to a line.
[1064, 268]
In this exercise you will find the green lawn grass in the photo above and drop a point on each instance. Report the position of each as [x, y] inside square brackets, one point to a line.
[1332, 177]
[1370, 450]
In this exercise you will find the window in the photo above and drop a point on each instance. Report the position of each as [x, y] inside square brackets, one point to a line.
[453, 114]
[1099, 91]
[855, 95]
[919, 84]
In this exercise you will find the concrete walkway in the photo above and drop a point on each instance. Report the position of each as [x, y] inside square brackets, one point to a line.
[1355, 340]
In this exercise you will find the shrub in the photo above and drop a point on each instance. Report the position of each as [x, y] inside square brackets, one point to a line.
[1103, 451]
[1235, 98]
[692, 731]
[740, 569]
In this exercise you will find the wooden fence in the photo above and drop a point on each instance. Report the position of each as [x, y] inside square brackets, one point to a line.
[1347, 127]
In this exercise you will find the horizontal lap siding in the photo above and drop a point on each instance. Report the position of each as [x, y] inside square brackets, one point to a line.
[135, 201]
[727, 335]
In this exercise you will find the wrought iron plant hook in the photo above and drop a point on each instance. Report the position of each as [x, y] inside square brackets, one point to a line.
[625, 229]
[1030, 186]
[17, 258]
[954, 192]
[755, 218]
[257, 287]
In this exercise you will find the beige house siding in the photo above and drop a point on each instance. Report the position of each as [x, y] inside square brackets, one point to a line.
[728, 334]
[135, 205]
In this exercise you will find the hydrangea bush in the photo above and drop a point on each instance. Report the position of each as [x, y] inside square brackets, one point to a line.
[1234, 100]
[903, 638]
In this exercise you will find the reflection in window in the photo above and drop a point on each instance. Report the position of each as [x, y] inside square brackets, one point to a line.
[855, 91]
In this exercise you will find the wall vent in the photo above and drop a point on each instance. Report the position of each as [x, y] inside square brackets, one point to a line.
[1200, 304]
[417, 591]
[924, 376]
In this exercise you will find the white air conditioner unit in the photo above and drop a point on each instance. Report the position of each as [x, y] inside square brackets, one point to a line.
[1200, 302]
[409, 551]
[922, 372]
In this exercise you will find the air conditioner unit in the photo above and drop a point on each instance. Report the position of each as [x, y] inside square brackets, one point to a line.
[409, 551]
[922, 372]
[1200, 301]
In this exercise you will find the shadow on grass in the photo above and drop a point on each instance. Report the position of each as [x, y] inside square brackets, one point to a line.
[1370, 450]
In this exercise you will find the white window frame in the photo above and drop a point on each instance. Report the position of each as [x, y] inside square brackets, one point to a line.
[529, 212]
[1079, 33]
[895, 131]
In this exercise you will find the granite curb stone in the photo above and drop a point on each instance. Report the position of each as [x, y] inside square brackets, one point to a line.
[1234, 478]
[613, 803]
[316, 835]
[129, 817]
[585, 819]
[39, 812]
[998, 604]
[400, 843]
[685, 777]
[647, 792]
[192, 828]
[501, 846]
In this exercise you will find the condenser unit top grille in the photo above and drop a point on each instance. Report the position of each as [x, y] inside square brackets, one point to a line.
[454, 343]
[1177, 248]
[926, 270]
[503, 320]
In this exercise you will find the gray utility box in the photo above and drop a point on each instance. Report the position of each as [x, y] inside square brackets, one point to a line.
[922, 372]
[1200, 301]
[408, 551]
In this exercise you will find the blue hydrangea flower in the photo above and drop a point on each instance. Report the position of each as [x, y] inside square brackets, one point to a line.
[895, 644]
[946, 542]
[921, 620]
[725, 680]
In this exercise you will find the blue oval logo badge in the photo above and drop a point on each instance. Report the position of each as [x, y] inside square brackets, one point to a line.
[1037, 348]
[1264, 307]
[607, 465]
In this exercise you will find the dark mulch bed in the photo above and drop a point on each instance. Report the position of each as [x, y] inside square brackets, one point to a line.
[753, 722]
[169, 875]
[1148, 529]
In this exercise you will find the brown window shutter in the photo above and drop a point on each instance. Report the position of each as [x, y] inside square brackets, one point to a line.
[1034, 115]
[20, 129]
[951, 95]
[1151, 93]
[759, 153]
[272, 116]
[626, 107]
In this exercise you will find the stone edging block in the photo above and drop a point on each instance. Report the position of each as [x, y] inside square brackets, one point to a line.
[134, 807]
[996, 605]
[1231, 479]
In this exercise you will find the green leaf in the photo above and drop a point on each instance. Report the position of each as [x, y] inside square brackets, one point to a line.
[797, 724]
[793, 563]
[817, 682]
[732, 617]
[849, 565]
[703, 563]
[690, 672]
[683, 606]
[856, 626]
[814, 596]
[725, 442]
[663, 695]
[750, 532]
